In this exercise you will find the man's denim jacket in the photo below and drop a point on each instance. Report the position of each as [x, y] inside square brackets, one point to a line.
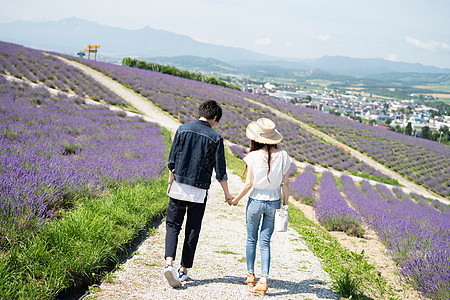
[195, 151]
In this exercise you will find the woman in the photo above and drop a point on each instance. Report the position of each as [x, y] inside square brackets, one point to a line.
[267, 170]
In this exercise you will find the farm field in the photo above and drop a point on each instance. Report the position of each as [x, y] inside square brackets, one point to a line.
[58, 148]
[443, 97]
[66, 168]
[436, 88]
[77, 163]
[171, 95]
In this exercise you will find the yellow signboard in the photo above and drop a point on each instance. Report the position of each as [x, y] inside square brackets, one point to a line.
[92, 49]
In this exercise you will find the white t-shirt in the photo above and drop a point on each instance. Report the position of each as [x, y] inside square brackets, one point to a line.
[184, 192]
[264, 189]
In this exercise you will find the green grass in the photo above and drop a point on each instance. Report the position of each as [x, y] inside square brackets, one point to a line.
[225, 252]
[386, 180]
[235, 164]
[307, 200]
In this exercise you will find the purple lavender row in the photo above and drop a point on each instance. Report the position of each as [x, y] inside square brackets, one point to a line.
[419, 199]
[33, 65]
[433, 203]
[302, 187]
[423, 161]
[417, 237]
[332, 210]
[180, 97]
[55, 149]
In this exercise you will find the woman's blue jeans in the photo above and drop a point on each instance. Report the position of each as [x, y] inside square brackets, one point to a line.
[257, 210]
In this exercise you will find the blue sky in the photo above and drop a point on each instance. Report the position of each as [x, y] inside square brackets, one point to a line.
[399, 30]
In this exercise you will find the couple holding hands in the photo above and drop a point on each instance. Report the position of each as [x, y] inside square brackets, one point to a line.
[196, 150]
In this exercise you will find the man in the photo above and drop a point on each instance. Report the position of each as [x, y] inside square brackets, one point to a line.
[196, 150]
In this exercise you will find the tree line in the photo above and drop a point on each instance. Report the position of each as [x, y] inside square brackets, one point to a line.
[170, 70]
[441, 136]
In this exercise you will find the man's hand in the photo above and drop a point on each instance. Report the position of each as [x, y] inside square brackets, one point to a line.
[168, 189]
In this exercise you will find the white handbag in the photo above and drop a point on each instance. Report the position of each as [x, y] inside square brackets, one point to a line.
[281, 214]
[281, 220]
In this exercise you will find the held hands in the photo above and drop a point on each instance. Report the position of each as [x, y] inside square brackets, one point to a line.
[229, 199]
[235, 202]
[232, 201]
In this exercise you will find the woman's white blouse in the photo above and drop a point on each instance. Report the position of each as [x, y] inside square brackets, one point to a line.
[264, 189]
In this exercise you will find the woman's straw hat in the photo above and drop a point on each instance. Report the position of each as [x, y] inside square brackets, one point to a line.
[263, 131]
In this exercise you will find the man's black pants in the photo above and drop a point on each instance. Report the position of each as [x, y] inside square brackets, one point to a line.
[174, 220]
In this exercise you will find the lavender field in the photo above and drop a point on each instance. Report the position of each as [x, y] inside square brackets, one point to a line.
[330, 207]
[417, 236]
[55, 149]
[37, 67]
[415, 232]
[423, 161]
[181, 97]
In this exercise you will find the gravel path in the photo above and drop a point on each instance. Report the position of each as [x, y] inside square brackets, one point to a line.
[219, 266]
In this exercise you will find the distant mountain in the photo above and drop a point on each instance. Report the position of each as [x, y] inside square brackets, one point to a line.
[347, 65]
[367, 66]
[72, 35]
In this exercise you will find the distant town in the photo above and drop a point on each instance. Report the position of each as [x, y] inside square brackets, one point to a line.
[405, 116]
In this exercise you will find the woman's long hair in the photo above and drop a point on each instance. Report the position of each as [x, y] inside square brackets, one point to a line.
[254, 146]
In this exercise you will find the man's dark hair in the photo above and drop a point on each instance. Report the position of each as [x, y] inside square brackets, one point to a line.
[210, 109]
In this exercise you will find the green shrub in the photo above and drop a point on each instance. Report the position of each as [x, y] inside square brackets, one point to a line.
[346, 286]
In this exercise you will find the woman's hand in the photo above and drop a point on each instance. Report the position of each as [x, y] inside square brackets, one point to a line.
[235, 202]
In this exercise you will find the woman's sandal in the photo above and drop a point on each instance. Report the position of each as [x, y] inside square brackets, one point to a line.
[250, 280]
[260, 288]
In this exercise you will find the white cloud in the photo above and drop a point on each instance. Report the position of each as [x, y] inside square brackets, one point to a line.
[392, 57]
[263, 42]
[289, 45]
[324, 37]
[429, 46]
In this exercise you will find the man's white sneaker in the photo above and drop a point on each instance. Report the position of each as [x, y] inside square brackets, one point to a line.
[172, 277]
[183, 276]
